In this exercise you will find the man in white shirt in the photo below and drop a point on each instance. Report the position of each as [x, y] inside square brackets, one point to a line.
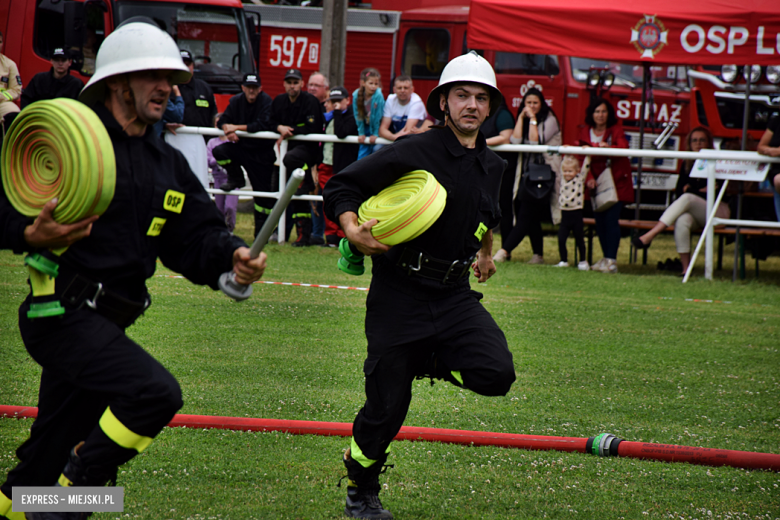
[403, 110]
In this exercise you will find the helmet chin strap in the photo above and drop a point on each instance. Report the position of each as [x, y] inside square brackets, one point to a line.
[123, 100]
[129, 100]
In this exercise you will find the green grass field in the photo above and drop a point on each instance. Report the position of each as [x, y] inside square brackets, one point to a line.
[637, 354]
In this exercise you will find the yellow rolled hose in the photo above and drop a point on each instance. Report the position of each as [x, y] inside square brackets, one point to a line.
[56, 148]
[59, 148]
[405, 209]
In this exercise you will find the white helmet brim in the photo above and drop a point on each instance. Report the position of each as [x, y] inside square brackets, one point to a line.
[133, 48]
[468, 68]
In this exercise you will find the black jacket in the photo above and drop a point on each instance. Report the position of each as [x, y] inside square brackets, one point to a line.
[45, 86]
[159, 210]
[344, 125]
[256, 117]
[200, 108]
[694, 184]
[472, 179]
[12, 226]
[304, 116]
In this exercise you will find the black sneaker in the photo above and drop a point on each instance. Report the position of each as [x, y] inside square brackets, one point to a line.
[316, 241]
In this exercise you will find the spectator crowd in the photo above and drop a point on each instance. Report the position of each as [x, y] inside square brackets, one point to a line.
[536, 187]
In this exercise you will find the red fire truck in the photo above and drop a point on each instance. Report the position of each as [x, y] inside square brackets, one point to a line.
[418, 37]
[423, 36]
[413, 37]
[223, 38]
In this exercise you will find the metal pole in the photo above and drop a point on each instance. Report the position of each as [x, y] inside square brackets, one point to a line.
[740, 189]
[282, 183]
[709, 232]
[707, 229]
[638, 198]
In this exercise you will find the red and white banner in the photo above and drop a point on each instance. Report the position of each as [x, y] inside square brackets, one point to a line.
[711, 32]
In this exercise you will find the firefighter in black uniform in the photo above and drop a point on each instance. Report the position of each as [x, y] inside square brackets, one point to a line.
[102, 398]
[55, 83]
[422, 319]
[200, 108]
[249, 111]
[297, 112]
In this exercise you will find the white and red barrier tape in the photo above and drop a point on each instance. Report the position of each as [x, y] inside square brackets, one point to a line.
[294, 284]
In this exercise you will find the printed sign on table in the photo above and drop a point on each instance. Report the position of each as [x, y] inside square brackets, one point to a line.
[730, 169]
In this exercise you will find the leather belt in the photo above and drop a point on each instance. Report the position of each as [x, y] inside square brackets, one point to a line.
[82, 291]
[417, 263]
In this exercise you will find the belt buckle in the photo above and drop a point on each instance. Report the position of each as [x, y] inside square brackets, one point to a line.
[92, 304]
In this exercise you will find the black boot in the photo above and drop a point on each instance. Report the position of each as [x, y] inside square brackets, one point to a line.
[57, 516]
[303, 228]
[235, 178]
[76, 474]
[232, 185]
[434, 368]
[363, 490]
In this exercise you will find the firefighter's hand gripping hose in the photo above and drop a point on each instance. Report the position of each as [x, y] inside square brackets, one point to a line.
[227, 281]
[403, 210]
[60, 149]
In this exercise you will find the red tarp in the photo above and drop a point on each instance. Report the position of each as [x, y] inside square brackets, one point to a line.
[696, 32]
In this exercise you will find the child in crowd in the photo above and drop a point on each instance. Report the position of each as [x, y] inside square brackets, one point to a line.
[336, 156]
[570, 200]
[226, 204]
[369, 107]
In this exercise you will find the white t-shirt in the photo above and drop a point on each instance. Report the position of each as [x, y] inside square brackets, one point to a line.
[414, 109]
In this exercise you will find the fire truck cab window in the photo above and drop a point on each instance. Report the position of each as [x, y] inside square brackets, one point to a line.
[80, 27]
[217, 37]
[49, 27]
[526, 64]
[426, 52]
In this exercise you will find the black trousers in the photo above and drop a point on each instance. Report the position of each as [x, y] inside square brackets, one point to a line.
[299, 211]
[89, 366]
[259, 165]
[571, 220]
[505, 198]
[529, 223]
[509, 207]
[405, 335]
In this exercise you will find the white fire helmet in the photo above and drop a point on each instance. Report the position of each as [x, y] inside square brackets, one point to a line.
[134, 47]
[471, 68]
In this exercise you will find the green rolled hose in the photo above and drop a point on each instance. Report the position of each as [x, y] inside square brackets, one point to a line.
[59, 148]
[405, 209]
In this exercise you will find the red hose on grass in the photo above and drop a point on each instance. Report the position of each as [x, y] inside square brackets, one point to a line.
[604, 444]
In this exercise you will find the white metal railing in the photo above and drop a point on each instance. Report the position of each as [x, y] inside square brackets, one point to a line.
[707, 234]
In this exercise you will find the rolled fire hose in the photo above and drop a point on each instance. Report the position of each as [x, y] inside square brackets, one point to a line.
[404, 210]
[56, 148]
